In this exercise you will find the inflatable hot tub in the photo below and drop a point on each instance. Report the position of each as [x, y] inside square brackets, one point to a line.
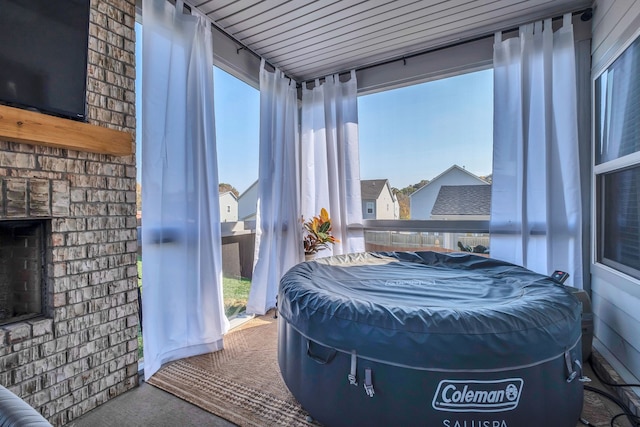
[429, 339]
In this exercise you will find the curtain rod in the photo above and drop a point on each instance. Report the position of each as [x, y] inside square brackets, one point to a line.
[242, 46]
[229, 36]
[586, 15]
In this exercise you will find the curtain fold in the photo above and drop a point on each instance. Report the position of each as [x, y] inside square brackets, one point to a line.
[536, 203]
[330, 160]
[182, 268]
[278, 227]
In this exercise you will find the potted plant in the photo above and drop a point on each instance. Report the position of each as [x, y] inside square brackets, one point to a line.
[317, 234]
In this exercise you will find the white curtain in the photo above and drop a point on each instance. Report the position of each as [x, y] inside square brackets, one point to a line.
[182, 292]
[535, 215]
[330, 160]
[278, 227]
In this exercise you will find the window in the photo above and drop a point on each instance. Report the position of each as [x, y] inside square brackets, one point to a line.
[433, 143]
[414, 134]
[369, 207]
[237, 110]
[617, 162]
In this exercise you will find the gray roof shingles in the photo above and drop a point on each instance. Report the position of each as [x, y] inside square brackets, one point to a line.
[463, 200]
[370, 188]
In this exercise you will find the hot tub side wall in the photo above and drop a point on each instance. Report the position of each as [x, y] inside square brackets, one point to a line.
[318, 378]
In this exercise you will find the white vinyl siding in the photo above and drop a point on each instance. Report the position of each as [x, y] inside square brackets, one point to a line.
[228, 207]
[383, 204]
[615, 295]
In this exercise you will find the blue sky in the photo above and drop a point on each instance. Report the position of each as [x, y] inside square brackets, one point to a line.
[237, 108]
[417, 132]
[406, 134]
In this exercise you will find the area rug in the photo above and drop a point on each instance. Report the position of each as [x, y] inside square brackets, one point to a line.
[241, 383]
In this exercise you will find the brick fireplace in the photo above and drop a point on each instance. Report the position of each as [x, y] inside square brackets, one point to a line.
[70, 344]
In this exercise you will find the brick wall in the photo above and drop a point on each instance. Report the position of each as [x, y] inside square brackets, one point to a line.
[84, 350]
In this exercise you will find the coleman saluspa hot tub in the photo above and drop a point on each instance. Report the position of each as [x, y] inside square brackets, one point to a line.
[429, 339]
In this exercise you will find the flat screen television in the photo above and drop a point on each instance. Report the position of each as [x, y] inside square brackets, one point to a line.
[43, 56]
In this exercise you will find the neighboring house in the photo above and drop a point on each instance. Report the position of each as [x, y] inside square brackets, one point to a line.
[423, 200]
[247, 203]
[463, 202]
[228, 207]
[378, 202]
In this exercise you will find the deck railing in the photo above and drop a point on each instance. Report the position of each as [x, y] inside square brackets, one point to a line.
[238, 239]
[436, 235]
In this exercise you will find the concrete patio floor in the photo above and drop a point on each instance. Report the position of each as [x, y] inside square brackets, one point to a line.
[147, 405]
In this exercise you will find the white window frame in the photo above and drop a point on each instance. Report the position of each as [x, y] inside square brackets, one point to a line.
[371, 208]
[599, 170]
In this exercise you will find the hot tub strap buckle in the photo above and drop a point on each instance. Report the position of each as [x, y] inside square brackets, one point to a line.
[583, 378]
[368, 383]
[574, 373]
[354, 364]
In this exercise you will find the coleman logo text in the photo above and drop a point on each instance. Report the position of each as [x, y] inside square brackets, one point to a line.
[478, 396]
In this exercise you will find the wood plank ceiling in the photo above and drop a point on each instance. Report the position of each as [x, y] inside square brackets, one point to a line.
[308, 39]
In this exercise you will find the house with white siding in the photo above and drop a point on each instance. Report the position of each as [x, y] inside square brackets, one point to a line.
[378, 201]
[228, 207]
[247, 203]
[423, 200]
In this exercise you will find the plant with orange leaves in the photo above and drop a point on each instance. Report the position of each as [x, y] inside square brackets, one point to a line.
[318, 234]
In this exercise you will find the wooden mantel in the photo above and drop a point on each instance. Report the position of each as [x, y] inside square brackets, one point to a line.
[29, 127]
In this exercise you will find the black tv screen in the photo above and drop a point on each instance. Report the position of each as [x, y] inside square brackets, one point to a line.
[43, 55]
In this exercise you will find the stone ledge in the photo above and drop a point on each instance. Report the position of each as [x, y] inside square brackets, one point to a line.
[22, 198]
[17, 332]
[40, 327]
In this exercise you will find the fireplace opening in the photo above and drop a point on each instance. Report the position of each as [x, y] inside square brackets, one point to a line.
[22, 276]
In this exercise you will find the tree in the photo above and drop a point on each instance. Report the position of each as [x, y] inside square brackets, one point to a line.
[224, 187]
[403, 197]
[138, 196]
[403, 201]
[415, 187]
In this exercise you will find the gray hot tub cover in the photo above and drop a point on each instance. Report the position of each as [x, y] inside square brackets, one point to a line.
[428, 310]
